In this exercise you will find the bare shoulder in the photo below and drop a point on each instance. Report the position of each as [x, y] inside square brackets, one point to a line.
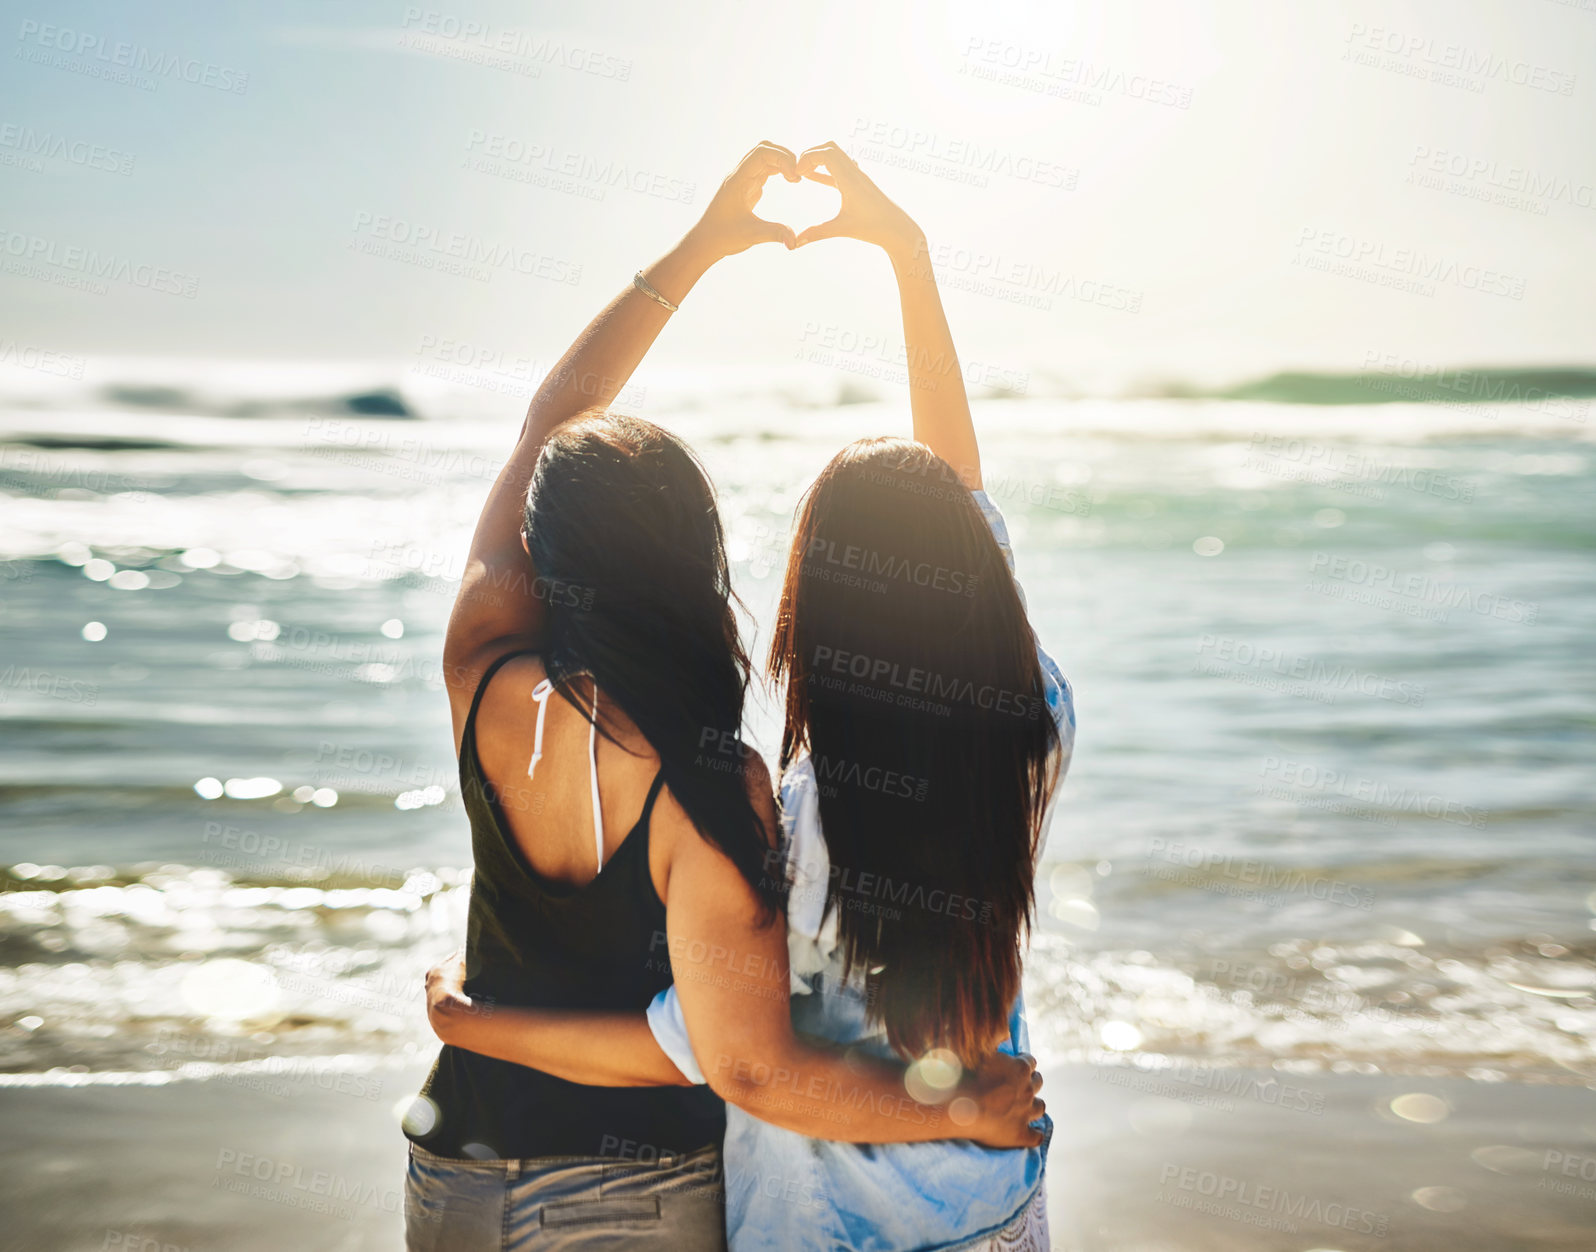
[463, 674]
[507, 715]
[677, 841]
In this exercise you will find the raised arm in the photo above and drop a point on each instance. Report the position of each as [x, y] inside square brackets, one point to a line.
[732, 980]
[497, 609]
[937, 399]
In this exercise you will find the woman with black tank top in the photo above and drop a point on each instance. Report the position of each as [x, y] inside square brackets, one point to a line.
[620, 831]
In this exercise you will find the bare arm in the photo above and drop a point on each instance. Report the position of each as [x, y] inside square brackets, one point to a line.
[598, 1049]
[937, 398]
[732, 980]
[497, 609]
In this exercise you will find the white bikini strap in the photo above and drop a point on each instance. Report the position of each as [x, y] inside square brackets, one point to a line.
[592, 774]
[540, 694]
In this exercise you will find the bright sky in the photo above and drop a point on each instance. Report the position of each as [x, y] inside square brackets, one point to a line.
[1146, 187]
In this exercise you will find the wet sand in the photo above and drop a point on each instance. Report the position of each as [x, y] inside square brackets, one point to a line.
[1231, 1162]
[204, 1165]
[1183, 1163]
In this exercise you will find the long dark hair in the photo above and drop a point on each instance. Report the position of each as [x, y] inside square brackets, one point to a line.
[912, 679]
[621, 525]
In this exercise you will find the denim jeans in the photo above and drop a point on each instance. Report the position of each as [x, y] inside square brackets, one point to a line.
[575, 1203]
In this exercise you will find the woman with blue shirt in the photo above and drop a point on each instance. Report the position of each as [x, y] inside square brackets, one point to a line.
[925, 734]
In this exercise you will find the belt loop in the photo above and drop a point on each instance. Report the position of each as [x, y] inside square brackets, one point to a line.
[512, 1170]
[669, 1160]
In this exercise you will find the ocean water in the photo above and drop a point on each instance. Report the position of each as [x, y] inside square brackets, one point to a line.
[1331, 804]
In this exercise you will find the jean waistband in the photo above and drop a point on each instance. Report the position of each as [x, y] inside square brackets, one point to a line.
[516, 1167]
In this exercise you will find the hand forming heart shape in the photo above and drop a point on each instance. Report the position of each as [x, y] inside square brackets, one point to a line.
[730, 225]
[798, 205]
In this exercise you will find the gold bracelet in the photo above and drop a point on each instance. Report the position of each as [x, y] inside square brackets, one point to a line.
[642, 285]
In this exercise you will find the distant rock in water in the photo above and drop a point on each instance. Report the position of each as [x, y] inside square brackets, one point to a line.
[1427, 385]
[377, 402]
[94, 443]
[128, 395]
[851, 392]
[381, 403]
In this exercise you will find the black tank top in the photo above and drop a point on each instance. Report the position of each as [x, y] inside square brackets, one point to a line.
[535, 943]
